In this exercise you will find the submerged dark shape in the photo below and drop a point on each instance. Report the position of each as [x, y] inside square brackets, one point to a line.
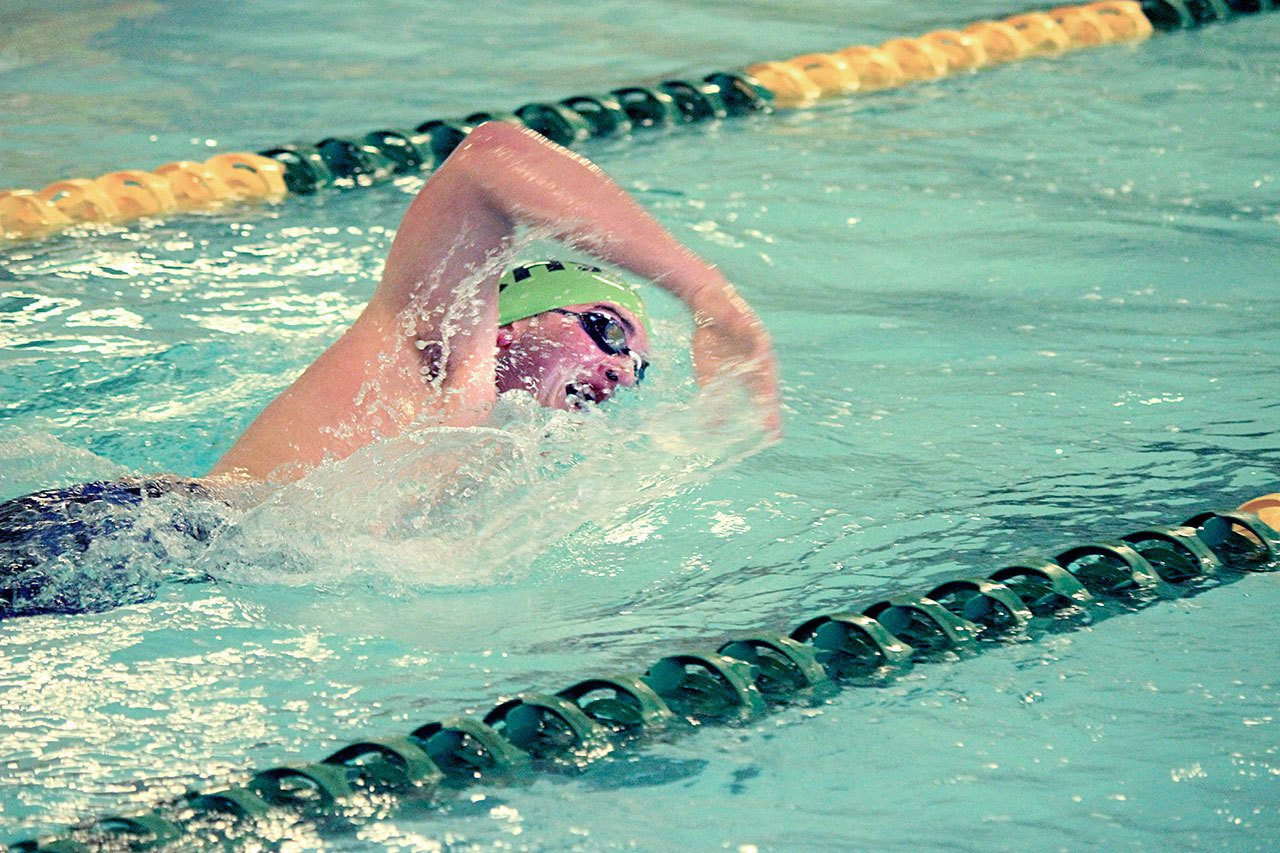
[94, 546]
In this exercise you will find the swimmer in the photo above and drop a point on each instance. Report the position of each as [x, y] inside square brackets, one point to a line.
[446, 331]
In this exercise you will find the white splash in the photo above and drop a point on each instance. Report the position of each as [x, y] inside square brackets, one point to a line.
[444, 506]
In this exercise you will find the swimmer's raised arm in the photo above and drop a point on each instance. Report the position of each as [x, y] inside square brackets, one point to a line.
[525, 180]
[420, 348]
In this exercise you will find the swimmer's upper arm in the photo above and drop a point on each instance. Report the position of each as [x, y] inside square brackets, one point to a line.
[416, 345]
[439, 288]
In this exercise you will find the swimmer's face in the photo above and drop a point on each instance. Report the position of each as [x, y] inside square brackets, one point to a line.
[573, 355]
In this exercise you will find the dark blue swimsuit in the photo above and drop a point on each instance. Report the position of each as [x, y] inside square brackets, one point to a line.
[45, 540]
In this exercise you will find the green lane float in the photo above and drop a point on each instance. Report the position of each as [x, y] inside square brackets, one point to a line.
[740, 680]
[374, 157]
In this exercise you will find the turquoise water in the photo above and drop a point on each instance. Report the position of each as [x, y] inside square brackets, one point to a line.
[1013, 310]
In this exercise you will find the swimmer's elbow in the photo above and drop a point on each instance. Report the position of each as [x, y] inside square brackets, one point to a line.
[490, 144]
[497, 134]
[500, 151]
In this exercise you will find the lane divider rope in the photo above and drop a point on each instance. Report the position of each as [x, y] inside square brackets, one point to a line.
[732, 682]
[300, 169]
[807, 78]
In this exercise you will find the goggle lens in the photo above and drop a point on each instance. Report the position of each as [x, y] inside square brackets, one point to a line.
[609, 335]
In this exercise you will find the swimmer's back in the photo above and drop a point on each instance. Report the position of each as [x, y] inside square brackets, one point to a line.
[56, 553]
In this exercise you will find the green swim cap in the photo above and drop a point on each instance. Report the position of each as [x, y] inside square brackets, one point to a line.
[543, 285]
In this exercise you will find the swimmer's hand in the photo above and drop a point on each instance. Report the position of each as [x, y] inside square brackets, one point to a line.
[728, 337]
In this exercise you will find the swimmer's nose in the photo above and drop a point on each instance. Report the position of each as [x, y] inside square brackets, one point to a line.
[621, 374]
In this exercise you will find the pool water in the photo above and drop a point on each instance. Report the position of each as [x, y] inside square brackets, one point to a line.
[1015, 310]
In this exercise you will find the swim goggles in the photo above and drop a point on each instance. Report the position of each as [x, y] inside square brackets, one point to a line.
[607, 334]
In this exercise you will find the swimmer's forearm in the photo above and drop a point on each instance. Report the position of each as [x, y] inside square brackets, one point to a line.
[530, 181]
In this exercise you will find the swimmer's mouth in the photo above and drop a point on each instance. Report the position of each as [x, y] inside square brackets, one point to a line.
[578, 395]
